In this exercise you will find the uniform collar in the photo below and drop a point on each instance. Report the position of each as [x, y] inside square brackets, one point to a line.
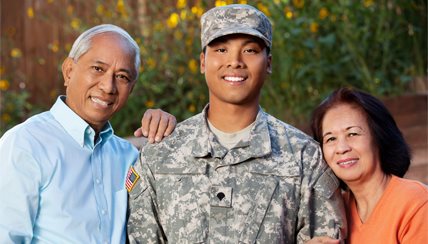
[205, 142]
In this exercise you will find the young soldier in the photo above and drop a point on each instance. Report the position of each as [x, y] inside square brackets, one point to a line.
[233, 173]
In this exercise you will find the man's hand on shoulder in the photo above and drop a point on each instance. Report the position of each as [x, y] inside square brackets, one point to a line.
[155, 125]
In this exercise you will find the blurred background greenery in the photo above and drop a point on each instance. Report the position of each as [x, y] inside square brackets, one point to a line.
[319, 45]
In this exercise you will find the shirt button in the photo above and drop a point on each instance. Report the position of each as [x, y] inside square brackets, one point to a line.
[103, 212]
[97, 181]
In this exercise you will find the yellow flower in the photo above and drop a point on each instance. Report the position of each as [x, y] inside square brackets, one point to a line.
[178, 35]
[53, 47]
[299, 3]
[4, 85]
[323, 13]
[16, 53]
[149, 103]
[368, 3]
[41, 61]
[53, 94]
[30, 12]
[263, 8]
[181, 4]
[288, 12]
[70, 10]
[120, 7]
[193, 66]
[2, 70]
[6, 118]
[243, 2]
[198, 11]
[75, 23]
[50, 1]
[158, 27]
[219, 3]
[314, 27]
[229, 2]
[100, 9]
[151, 63]
[183, 14]
[189, 41]
[191, 108]
[172, 21]
[67, 47]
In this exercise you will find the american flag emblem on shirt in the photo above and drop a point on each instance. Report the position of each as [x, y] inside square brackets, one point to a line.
[131, 179]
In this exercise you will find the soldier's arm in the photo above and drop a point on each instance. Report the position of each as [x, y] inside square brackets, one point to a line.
[143, 223]
[321, 210]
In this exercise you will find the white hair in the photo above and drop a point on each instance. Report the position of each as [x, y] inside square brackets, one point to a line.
[83, 42]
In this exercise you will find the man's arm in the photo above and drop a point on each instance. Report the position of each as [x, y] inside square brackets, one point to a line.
[155, 125]
[20, 180]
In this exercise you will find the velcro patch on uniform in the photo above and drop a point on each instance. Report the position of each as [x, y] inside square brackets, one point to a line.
[131, 179]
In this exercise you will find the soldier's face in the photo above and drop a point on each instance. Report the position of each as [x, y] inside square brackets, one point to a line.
[235, 68]
[100, 81]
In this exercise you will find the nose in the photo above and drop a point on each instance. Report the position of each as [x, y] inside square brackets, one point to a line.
[235, 60]
[107, 84]
[342, 146]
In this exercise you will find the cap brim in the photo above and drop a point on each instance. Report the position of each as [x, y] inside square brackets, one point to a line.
[240, 30]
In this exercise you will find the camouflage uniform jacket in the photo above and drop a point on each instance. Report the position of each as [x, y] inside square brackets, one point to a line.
[274, 188]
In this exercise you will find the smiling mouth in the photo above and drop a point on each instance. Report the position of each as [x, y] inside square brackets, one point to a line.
[234, 79]
[347, 162]
[100, 102]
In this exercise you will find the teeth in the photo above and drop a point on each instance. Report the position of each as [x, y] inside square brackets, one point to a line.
[99, 101]
[233, 78]
[347, 162]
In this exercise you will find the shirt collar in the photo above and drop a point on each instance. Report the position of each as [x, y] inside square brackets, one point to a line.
[76, 127]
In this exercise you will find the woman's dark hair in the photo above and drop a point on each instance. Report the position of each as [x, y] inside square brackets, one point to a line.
[393, 150]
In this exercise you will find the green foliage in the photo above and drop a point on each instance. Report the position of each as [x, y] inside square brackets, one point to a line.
[377, 46]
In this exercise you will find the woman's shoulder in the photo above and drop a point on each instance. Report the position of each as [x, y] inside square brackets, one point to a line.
[410, 186]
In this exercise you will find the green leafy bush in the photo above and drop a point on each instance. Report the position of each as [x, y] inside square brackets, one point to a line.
[378, 46]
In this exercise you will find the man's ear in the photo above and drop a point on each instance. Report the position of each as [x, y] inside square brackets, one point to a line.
[67, 69]
[202, 61]
[269, 64]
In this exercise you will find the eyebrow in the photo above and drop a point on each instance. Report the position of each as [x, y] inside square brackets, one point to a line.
[120, 70]
[347, 128]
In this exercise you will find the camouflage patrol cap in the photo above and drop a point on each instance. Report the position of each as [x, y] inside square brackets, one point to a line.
[235, 19]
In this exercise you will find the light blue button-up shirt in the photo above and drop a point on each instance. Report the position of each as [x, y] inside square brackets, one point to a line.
[58, 186]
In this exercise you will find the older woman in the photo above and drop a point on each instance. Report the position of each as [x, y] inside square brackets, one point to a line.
[364, 147]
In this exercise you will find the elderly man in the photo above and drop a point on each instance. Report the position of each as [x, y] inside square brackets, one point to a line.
[62, 172]
[233, 173]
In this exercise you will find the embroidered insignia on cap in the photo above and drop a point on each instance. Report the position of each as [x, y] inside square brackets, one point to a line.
[131, 179]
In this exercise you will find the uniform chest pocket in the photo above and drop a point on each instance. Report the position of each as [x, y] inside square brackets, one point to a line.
[182, 194]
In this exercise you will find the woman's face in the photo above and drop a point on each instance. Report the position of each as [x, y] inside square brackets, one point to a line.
[348, 145]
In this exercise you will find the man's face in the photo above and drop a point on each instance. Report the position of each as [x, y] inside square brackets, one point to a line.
[100, 81]
[235, 68]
